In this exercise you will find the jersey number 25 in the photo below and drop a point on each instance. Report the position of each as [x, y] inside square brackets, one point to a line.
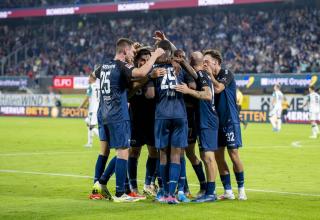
[105, 82]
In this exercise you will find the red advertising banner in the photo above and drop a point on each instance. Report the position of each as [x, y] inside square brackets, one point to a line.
[115, 7]
[63, 82]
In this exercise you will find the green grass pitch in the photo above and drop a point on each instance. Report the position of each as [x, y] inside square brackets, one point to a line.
[44, 174]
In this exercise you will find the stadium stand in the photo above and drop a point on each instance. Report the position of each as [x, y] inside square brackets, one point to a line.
[252, 41]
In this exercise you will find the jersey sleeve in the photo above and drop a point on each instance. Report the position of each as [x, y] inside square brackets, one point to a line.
[126, 70]
[225, 77]
[203, 79]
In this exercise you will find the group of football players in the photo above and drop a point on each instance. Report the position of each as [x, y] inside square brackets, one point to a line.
[153, 96]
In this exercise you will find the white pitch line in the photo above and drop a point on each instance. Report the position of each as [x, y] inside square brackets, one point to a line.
[90, 177]
[296, 144]
[44, 153]
[46, 174]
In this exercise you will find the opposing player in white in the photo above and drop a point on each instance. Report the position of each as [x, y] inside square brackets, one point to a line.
[276, 109]
[314, 111]
[93, 100]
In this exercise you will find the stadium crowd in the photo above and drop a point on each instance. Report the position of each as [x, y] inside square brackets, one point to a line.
[273, 41]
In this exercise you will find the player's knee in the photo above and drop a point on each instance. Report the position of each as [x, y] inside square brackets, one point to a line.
[123, 153]
[193, 159]
[234, 155]
[175, 155]
[104, 149]
[219, 155]
[152, 152]
[135, 152]
[208, 158]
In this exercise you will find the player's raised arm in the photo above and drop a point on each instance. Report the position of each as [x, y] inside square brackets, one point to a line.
[144, 70]
[159, 36]
[186, 66]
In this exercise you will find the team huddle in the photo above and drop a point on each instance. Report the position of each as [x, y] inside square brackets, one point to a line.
[153, 96]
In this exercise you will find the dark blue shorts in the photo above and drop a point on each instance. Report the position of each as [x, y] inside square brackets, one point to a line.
[208, 139]
[142, 133]
[117, 135]
[171, 132]
[230, 136]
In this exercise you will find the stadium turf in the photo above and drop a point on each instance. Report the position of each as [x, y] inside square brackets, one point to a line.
[45, 174]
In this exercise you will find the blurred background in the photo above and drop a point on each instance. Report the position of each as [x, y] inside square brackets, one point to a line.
[48, 47]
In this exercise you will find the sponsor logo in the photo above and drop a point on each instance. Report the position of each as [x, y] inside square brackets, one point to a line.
[63, 82]
[8, 110]
[254, 116]
[80, 82]
[288, 81]
[135, 6]
[314, 80]
[4, 14]
[73, 112]
[214, 2]
[246, 82]
[61, 11]
[37, 111]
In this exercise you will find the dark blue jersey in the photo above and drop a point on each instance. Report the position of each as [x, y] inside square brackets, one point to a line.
[114, 81]
[206, 115]
[169, 103]
[226, 101]
[141, 108]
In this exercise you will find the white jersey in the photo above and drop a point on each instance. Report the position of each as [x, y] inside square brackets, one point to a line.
[314, 102]
[93, 94]
[278, 98]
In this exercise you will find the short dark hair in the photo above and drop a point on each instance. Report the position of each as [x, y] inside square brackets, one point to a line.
[123, 43]
[215, 54]
[178, 52]
[165, 45]
[142, 51]
[313, 88]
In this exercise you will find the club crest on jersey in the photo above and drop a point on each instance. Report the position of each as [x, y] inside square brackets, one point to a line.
[128, 65]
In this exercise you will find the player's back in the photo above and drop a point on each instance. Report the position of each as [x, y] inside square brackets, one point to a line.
[169, 103]
[114, 78]
[93, 94]
[314, 102]
[226, 101]
[206, 113]
[278, 98]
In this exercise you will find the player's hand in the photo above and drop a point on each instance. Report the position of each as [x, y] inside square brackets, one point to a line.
[137, 45]
[183, 88]
[158, 72]
[159, 36]
[158, 52]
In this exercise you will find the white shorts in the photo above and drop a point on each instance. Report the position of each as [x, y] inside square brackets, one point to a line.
[275, 111]
[314, 116]
[92, 119]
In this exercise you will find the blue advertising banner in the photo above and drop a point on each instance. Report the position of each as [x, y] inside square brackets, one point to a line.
[13, 82]
[260, 81]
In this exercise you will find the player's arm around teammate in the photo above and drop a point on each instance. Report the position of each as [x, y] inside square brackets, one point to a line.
[115, 80]
[207, 126]
[229, 134]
